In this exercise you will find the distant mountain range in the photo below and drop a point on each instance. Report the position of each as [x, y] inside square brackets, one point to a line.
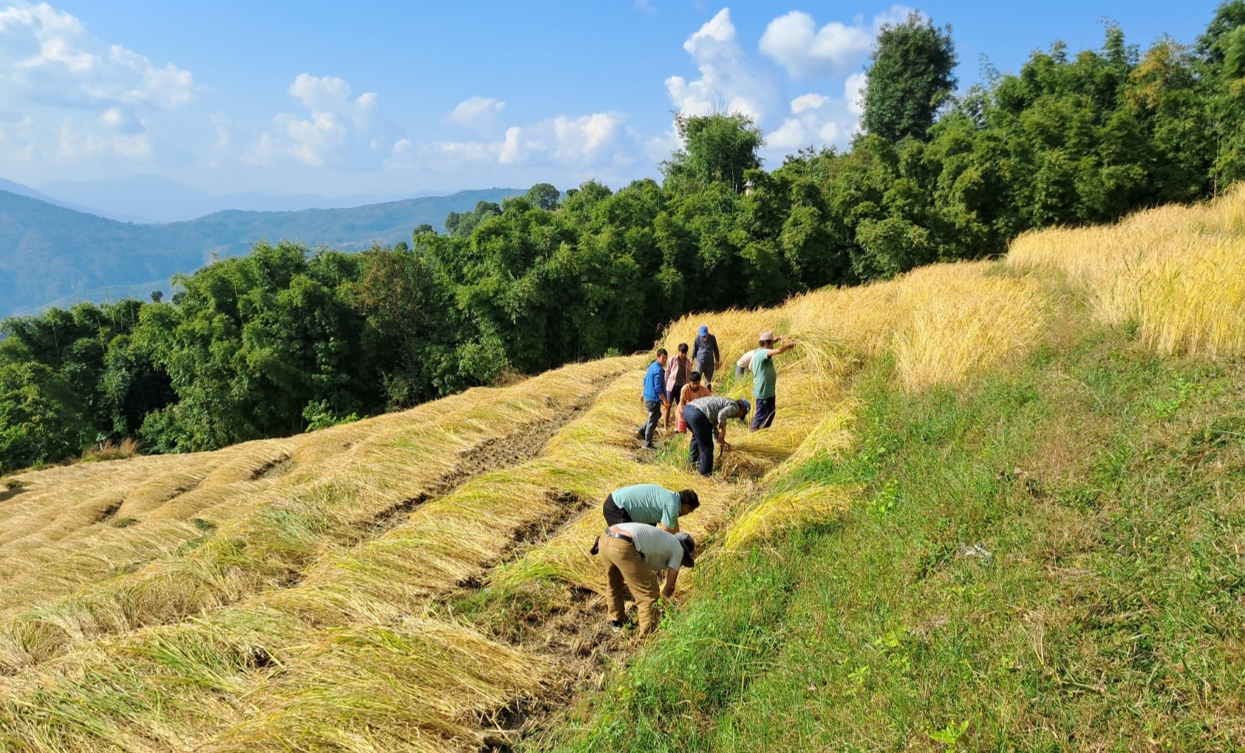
[154, 198]
[54, 255]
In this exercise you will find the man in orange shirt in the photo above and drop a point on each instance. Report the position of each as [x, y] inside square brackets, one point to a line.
[691, 391]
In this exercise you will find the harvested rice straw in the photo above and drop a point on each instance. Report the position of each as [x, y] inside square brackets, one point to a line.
[786, 509]
[288, 520]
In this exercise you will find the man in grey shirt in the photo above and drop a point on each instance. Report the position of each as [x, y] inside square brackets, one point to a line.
[705, 355]
[633, 554]
[705, 418]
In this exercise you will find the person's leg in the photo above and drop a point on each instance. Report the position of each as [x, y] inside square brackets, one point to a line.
[693, 447]
[764, 415]
[642, 582]
[610, 549]
[672, 406]
[650, 426]
[773, 411]
[702, 435]
[759, 413]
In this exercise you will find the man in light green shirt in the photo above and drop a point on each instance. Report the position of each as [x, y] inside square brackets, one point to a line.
[764, 379]
[650, 504]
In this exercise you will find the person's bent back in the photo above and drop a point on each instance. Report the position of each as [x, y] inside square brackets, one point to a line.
[633, 553]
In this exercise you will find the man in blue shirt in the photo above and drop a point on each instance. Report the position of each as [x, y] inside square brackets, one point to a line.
[654, 398]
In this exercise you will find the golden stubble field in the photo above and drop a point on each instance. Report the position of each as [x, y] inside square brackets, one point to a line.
[305, 593]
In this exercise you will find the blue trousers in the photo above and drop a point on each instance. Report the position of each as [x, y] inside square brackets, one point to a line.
[700, 446]
[764, 415]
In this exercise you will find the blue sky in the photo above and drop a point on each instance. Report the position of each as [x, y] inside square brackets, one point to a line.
[397, 99]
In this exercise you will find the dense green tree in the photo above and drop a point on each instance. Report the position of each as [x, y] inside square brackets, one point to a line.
[543, 196]
[910, 78]
[41, 418]
[716, 149]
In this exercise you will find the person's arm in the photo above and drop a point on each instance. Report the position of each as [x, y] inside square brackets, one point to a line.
[722, 436]
[670, 521]
[779, 351]
[672, 577]
[658, 380]
[717, 355]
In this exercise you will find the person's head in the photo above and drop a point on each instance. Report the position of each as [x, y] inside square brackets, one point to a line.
[744, 408]
[704, 331]
[662, 356]
[682, 349]
[766, 339]
[688, 502]
[689, 549]
[694, 378]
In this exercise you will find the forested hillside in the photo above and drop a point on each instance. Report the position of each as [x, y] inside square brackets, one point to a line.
[52, 255]
[285, 338]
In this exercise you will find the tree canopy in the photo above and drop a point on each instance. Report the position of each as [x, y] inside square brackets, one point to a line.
[910, 77]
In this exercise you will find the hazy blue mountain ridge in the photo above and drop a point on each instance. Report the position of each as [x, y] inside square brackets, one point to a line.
[155, 198]
[50, 255]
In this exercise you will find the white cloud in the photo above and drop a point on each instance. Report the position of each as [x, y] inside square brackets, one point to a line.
[479, 113]
[338, 127]
[644, 5]
[833, 51]
[729, 79]
[74, 145]
[578, 143]
[854, 93]
[817, 120]
[48, 57]
[66, 96]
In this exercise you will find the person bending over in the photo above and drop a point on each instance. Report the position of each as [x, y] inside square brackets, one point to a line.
[650, 504]
[633, 554]
[707, 417]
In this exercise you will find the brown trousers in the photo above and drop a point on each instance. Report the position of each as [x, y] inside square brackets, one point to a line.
[623, 564]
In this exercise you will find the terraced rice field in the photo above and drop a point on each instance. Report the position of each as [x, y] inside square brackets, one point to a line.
[421, 581]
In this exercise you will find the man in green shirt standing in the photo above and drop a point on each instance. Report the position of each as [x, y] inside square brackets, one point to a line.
[764, 378]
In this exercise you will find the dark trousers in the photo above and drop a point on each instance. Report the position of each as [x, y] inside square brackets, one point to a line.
[700, 448]
[650, 424]
[706, 372]
[614, 515]
[764, 415]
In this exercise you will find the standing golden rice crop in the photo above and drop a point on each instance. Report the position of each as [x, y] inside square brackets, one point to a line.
[1176, 272]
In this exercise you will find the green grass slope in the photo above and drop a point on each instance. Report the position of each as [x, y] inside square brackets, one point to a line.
[1048, 559]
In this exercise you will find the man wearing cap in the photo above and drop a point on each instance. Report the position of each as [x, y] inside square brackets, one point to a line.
[648, 503]
[706, 417]
[633, 553]
[705, 356]
[654, 398]
[764, 378]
